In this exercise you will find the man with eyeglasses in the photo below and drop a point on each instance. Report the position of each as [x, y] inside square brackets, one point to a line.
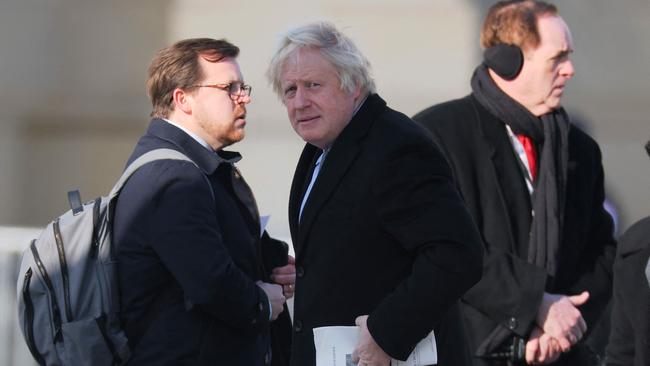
[200, 283]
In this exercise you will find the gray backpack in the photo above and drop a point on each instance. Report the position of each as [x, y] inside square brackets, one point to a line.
[68, 304]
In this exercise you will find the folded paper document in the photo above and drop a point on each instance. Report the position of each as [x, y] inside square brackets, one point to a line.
[334, 347]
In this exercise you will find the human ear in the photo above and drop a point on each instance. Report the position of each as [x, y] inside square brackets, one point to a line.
[182, 100]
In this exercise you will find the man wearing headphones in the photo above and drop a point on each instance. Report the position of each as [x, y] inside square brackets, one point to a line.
[534, 185]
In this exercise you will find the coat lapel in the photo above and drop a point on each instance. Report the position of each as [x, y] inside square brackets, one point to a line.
[514, 199]
[334, 168]
[209, 161]
[342, 154]
[300, 180]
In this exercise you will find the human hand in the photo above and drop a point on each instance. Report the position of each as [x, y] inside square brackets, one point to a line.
[286, 276]
[276, 298]
[559, 317]
[367, 352]
[541, 348]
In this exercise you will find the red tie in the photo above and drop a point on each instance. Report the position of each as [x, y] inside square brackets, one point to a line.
[529, 148]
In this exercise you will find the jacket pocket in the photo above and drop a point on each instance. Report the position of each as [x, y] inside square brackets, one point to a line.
[86, 343]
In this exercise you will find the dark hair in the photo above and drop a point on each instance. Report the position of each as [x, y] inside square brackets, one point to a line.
[177, 66]
[514, 22]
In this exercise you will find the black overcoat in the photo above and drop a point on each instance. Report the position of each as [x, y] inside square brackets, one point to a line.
[188, 260]
[488, 175]
[629, 343]
[385, 233]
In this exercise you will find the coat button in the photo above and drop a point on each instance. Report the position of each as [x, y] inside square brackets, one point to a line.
[512, 323]
[297, 326]
[300, 272]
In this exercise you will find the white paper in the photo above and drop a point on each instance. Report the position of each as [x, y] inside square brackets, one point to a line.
[264, 220]
[334, 347]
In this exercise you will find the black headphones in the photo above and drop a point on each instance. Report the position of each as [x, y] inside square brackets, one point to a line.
[505, 60]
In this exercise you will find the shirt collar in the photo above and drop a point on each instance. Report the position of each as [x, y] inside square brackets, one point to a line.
[359, 106]
[206, 158]
[190, 133]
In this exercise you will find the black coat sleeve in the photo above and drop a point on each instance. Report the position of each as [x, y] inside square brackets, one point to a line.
[274, 253]
[620, 349]
[418, 205]
[629, 341]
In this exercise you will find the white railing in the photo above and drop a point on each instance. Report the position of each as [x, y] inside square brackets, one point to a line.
[13, 350]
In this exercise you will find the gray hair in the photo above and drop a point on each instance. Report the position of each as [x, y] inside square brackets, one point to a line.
[350, 64]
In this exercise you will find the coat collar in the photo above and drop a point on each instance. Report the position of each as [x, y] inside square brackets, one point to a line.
[342, 154]
[206, 160]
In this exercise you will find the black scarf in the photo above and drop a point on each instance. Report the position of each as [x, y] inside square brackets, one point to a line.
[550, 133]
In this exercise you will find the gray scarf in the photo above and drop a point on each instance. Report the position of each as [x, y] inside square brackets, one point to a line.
[550, 133]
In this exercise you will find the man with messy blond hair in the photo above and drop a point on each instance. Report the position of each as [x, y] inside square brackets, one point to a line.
[382, 238]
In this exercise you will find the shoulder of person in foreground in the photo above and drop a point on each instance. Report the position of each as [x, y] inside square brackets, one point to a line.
[636, 238]
[446, 114]
[421, 209]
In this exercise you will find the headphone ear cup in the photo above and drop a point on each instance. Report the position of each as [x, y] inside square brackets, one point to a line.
[505, 60]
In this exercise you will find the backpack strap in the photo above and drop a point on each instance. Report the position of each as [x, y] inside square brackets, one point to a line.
[153, 155]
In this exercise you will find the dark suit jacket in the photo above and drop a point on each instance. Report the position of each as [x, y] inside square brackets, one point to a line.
[383, 233]
[505, 302]
[629, 343]
[188, 259]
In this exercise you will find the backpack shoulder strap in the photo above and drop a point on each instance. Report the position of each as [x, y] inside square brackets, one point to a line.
[153, 155]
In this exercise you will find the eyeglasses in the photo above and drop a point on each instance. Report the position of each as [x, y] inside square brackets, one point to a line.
[235, 90]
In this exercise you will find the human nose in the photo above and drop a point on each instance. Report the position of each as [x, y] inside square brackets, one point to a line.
[567, 69]
[301, 100]
[243, 98]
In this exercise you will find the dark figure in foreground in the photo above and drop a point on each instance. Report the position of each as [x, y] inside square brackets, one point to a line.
[629, 342]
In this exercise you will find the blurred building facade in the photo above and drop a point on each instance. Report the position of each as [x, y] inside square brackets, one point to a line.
[73, 100]
[72, 92]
